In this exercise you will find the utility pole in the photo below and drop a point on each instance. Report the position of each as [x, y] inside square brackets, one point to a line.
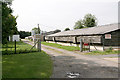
[39, 40]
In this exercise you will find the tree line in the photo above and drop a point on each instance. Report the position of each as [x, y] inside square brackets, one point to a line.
[24, 34]
[9, 24]
[8, 21]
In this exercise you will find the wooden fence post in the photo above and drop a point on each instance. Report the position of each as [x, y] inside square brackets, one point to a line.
[103, 44]
[89, 44]
[40, 45]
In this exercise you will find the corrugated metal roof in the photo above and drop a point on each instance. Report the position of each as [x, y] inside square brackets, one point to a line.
[89, 31]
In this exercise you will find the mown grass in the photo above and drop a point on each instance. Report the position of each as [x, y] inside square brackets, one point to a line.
[69, 48]
[27, 65]
[103, 52]
[21, 47]
[73, 48]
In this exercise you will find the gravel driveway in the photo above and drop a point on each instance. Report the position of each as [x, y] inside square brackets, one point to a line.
[68, 64]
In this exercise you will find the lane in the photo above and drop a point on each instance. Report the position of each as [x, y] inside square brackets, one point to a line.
[88, 67]
[66, 62]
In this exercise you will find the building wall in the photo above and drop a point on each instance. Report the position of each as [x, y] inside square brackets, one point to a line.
[64, 39]
[90, 39]
[75, 39]
[115, 39]
[96, 39]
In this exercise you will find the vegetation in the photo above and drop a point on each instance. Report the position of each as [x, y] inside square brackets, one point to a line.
[8, 22]
[36, 30]
[102, 52]
[32, 65]
[29, 65]
[67, 29]
[20, 48]
[88, 21]
[107, 51]
[69, 48]
[79, 24]
[73, 48]
[24, 34]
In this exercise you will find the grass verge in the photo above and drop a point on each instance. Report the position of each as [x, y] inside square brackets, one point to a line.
[73, 48]
[69, 48]
[29, 65]
[103, 52]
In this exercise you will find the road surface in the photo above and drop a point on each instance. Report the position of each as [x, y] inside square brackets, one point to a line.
[68, 64]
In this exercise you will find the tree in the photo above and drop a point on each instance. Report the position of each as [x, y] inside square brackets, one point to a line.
[36, 30]
[8, 22]
[57, 30]
[24, 34]
[89, 20]
[66, 29]
[79, 25]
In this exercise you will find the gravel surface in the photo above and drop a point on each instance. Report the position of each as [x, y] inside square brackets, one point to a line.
[68, 64]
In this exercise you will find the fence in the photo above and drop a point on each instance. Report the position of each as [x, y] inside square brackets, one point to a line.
[88, 46]
[17, 48]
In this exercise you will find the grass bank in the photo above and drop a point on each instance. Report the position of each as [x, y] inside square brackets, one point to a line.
[73, 48]
[69, 48]
[28, 65]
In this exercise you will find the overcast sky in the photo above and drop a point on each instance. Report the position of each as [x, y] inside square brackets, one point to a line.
[59, 14]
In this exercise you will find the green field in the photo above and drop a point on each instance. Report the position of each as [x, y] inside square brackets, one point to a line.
[27, 65]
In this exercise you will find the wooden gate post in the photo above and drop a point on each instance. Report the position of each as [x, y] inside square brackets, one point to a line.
[40, 44]
[89, 44]
[81, 45]
[103, 43]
